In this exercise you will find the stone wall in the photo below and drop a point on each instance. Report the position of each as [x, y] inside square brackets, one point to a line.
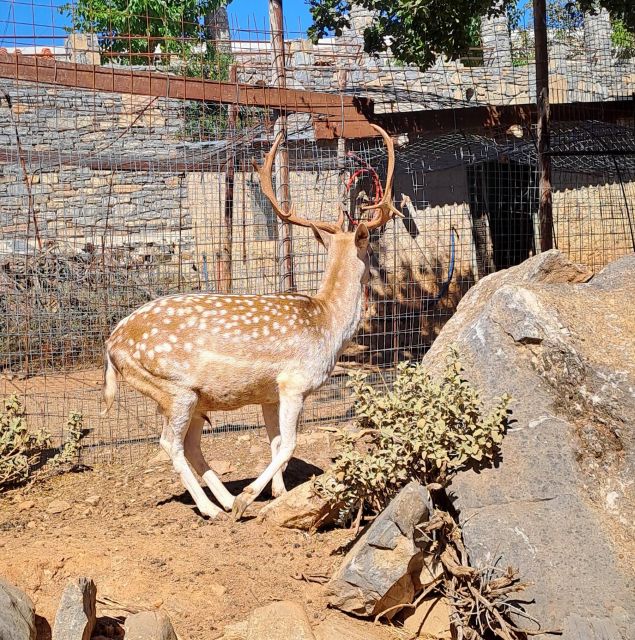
[68, 139]
[583, 68]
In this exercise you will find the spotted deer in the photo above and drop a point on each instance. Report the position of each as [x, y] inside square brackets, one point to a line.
[198, 352]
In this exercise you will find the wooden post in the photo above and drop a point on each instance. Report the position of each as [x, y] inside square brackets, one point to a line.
[342, 78]
[545, 209]
[227, 234]
[281, 165]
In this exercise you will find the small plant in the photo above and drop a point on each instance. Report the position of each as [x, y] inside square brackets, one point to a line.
[69, 453]
[421, 430]
[22, 452]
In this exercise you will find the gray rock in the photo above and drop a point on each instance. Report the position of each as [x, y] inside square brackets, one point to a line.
[559, 504]
[17, 614]
[149, 625]
[384, 566]
[76, 615]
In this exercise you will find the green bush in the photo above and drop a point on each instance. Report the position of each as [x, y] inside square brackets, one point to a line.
[422, 429]
[23, 452]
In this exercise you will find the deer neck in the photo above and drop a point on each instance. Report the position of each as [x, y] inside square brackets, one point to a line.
[341, 295]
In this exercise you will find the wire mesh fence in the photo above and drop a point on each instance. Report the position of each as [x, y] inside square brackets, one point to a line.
[114, 194]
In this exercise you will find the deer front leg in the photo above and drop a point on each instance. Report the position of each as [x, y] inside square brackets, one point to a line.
[195, 457]
[183, 408]
[290, 407]
[167, 437]
[270, 413]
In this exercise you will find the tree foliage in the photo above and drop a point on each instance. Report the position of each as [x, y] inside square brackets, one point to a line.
[134, 28]
[417, 31]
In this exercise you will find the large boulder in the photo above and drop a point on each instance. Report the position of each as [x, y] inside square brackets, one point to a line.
[384, 567]
[77, 613]
[559, 505]
[17, 614]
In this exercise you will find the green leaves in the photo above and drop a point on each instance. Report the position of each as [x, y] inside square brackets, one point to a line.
[134, 28]
[417, 31]
[421, 430]
[21, 450]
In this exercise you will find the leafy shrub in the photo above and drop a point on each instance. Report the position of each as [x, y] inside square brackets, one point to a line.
[22, 452]
[421, 430]
[623, 40]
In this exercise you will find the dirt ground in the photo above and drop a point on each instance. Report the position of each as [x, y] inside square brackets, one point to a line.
[135, 531]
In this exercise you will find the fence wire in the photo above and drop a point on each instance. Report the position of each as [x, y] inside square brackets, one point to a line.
[110, 199]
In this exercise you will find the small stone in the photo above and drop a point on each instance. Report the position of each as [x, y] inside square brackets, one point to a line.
[149, 625]
[254, 449]
[161, 457]
[31, 524]
[221, 467]
[244, 438]
[26, 505]
[58, 506]
[218, 590]
[300, 508]
[314, 437]
[274, 621]
[93, 501]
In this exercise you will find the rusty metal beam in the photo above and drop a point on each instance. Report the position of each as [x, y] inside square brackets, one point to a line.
[330, 111]
[152, 83]
[467, 118]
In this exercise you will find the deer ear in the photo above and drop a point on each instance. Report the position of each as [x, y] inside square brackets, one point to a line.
[323, 237]
[362, 236]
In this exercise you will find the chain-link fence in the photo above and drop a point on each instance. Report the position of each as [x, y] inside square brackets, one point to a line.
[124, 176]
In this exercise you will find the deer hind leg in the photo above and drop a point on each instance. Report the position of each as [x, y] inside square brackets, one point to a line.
[182, 411]
[270, 414]
[195, 457]
[290, 407]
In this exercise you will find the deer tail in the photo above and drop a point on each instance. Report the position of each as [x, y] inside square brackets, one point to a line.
[110, 383]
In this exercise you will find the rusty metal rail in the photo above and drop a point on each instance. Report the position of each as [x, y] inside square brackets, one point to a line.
[334, 115]
[46, 70]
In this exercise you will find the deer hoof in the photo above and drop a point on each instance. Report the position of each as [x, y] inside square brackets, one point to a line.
[240, 504]
[276, 492]
[212, 512]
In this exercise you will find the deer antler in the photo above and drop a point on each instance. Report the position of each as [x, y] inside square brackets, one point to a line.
[385, 207]
[266, 184]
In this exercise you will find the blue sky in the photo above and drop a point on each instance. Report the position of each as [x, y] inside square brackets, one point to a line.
[24, 23]
[21, 20]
